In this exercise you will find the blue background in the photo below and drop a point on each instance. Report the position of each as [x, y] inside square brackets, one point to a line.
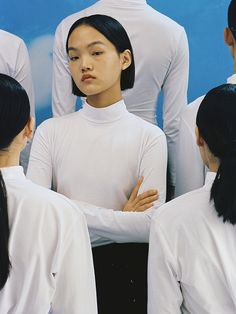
[204, 20]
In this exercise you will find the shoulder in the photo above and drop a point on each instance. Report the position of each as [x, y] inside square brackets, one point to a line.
[7, 38]
[151, 130]
[47, 203]
[194, 105]
[190, 112]
[70, 19]
[164, 23]
[167, 21]
[183, 211]
[58, 122]
[67, 22]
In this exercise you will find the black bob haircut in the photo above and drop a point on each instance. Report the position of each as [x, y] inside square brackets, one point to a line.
[232, 17]
[116, 34]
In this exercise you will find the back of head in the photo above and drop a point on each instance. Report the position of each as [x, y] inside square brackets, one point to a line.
[216, 123]
[232, 17]
[116, 34]
[14, 109]
[14, 115]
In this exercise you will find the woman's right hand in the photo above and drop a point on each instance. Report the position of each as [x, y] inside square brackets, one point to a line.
[141, 202]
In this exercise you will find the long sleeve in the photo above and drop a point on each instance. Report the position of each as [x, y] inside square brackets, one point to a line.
[40, 164]
[164, 294]
[153, 167]
[63, 101]
[74, 165]
[22, 73]
[75, 282]
[116, 226]
[113, 225]
[190, 170]
[175, 98]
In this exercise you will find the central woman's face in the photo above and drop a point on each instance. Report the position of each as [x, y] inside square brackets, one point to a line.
[95, 64]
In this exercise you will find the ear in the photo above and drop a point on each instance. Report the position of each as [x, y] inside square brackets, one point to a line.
[29, 128]
[228, 37]
[199, 139]
[126, 59]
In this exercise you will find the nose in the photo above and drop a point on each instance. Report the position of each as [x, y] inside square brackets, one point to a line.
[86, 64]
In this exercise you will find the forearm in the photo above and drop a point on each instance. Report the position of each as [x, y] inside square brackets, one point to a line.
[117, 226]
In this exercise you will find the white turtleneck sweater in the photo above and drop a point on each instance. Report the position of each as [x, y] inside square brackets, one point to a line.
[97, 156]
[161, 64]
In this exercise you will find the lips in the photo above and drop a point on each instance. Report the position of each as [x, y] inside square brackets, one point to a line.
[87, 77]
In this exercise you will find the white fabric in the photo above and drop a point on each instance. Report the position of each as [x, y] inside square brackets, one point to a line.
[161, 61]
[97, 156]
[48, 235]
[190, 170]
[232, 79]
[15, 62]
[192, 249]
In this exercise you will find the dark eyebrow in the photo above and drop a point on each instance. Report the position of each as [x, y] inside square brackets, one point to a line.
[89, 45]
[96, 43]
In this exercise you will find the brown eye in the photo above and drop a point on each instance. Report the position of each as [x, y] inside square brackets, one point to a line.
[73, 58]
[97, 53]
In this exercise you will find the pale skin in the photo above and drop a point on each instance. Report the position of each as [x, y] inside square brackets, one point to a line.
[92, 54]
[10, 156]
[211, 161]
[96, 68]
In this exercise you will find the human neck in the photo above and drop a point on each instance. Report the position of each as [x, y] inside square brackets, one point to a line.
[8, 160]
[213, 166]
[102, 101]
[212, 162]
[10, 156]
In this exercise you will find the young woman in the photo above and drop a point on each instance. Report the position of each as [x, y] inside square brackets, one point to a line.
[193, 238]
[45, 256]
[97, 155]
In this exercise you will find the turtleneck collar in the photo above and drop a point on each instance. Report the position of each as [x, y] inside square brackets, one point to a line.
[210, 177]
[14, 172]
[108, 114]
[232, 79]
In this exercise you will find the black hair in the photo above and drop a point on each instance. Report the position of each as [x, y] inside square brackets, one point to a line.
[232, 17]
[216, 121]
[116, 34]
[14, 115]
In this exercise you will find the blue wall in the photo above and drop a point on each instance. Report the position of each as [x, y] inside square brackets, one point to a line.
[204, 20]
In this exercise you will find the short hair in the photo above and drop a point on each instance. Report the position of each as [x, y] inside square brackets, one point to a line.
[116, 34]
[216, 123]
[232, 17]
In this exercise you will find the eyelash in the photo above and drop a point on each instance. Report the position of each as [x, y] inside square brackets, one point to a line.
[73, 58]
[97, 53]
